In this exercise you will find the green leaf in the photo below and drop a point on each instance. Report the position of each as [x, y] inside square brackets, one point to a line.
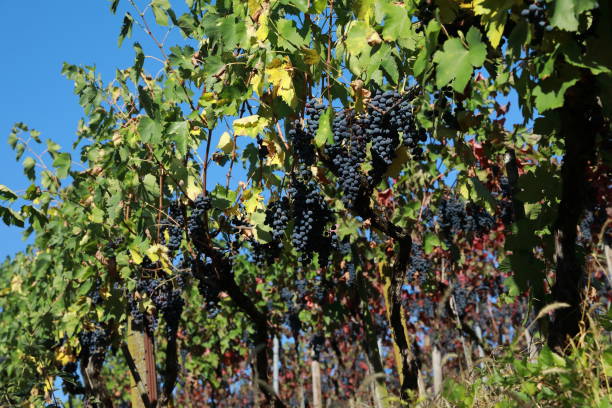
[114, 6]
[431, 43]
[431, 241]
[150, 183]
[10, 217]
[62, 164]
[28, 168]
[565, 13]
[262, 232]
[160, 14]
[7, 194]
[550, 92]
[324, 132]
[483, 194]
[357, 38]
[456, 62]
[288, 36]
[397, 24]
[126, 28]
[150, 130]
[179, 133]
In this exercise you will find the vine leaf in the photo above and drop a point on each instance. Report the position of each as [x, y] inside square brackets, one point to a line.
[126, 28]
[324, 132]
[456, 62]
[566, 12]
[6, 193]
[62, 164]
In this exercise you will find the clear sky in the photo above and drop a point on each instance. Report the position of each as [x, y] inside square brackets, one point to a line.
[36, 38]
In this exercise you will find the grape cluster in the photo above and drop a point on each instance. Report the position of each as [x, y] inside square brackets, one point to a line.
[311, 214]
[266, 253]
[463, 298]
[94, 344]
[277, 217]
[313, 113]
[209, 286]
[456, 216]
[301, 141]
[94, 293]
[536, 14]
[195, 222]
[352, 275]
[381, 125]
[173, 225]
[348, 153]
[477, 219]
[442, 101]
[419, 266]
[166, 299]
[387, 115]
[111, 247]
[262, 149]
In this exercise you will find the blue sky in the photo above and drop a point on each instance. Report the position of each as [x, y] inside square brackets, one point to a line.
[36, 38]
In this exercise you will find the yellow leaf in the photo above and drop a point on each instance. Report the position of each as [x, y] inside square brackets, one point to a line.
[225, 143]
[159, 253]
[311, 57]
[250, 125]
[252, 199]
[136, 257]
[464, 192]
[257, 84]
[63, 355]
[493, 20]
[195, 131]
[193, 187]
[279, 74]
[16, 283]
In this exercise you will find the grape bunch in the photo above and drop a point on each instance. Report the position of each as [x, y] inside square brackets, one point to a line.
[418, 268]
[388, 114]
[477, 219]
[262, 149]
[169, 302]
[311, 214]
[348, 153]
[94, 344]
[173, 225]
[94, 293]
[381, 125]
[464, 298]
[301, 142]
[352, 275]
[209, 286]
[456, 216]
[536, 14]
[313, 114]
[112, 246]
[277, 217]
[266, 253]
[195, 222]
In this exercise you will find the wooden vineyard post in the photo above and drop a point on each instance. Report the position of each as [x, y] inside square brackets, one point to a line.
[140, 356]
